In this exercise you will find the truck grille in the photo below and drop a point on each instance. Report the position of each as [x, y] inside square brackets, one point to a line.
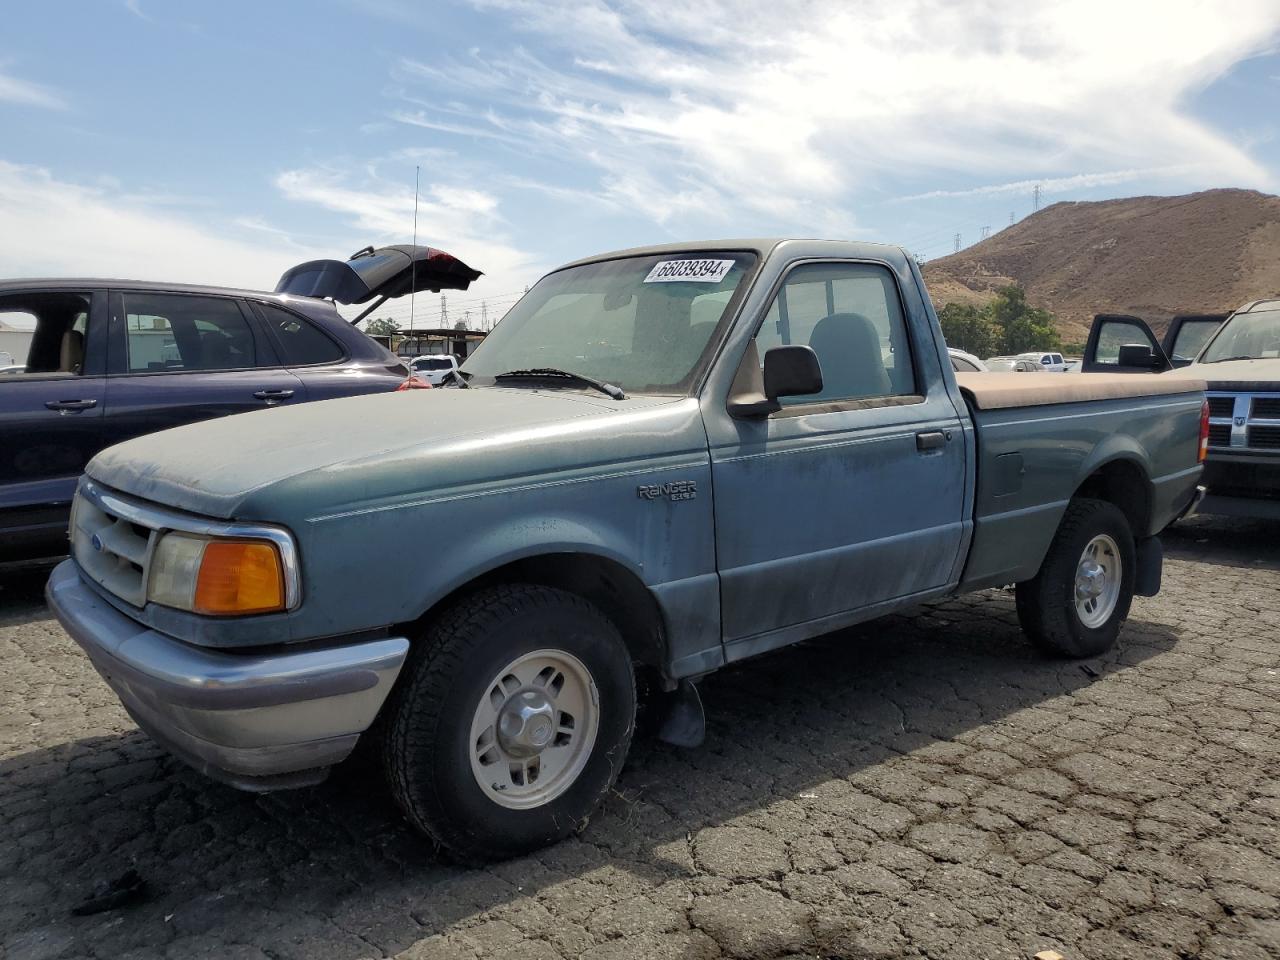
[1244, 421]
[1266, 408]
[110, 543]
[1221, 406]
[1265, 438]
[1219, 434]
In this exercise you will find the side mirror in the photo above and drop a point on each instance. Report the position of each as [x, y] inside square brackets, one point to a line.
[789, 371]
[1137, 355]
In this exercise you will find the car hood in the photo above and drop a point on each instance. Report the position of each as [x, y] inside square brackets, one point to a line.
[1254, 375]
[291, 464]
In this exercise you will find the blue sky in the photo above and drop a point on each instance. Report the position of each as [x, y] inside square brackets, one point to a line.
[222, 142]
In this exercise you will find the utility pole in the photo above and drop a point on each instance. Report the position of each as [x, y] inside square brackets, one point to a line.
[957, 240]
[1035, 197]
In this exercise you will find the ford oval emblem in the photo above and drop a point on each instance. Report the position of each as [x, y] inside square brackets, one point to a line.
[97, 542]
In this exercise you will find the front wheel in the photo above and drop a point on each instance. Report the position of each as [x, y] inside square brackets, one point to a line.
[1076, 604]
[512, 722]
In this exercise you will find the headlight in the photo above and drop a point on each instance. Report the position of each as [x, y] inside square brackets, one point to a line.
[218, 576]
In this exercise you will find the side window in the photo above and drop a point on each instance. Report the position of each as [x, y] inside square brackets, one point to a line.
[301, 344]
[1192, 336]
[1115, 334]
[44, 333]
[850, 315]
[170, 332]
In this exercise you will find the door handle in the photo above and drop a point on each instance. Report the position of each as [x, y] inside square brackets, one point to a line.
[270, 395]
[70, 406]
[930, 441]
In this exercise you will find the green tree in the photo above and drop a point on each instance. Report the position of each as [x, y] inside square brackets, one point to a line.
[382, 327]
[965, 327]
[1021, 327]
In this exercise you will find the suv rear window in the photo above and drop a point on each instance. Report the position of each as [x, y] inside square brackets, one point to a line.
[301, 344]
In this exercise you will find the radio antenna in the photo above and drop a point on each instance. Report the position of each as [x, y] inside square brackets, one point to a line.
[413, 262]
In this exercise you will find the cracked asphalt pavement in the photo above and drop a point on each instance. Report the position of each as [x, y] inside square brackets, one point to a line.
[923, 786]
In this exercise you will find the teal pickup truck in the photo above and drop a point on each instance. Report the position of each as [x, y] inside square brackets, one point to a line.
[660, 462]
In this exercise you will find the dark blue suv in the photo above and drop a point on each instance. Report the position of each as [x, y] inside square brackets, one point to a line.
[106, 360]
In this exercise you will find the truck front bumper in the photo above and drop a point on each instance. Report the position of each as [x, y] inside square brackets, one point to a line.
[256, 721]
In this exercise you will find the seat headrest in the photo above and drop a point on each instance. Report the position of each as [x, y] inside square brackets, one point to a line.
[71, 352]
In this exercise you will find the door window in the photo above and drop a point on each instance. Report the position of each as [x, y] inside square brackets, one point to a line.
[44, 334]
[301, 344]
[850, 315]
[1191, 338]
[1115, 334]
[175, 333]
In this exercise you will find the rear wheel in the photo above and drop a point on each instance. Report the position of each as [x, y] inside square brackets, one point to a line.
[1076, 604]
[512, 722]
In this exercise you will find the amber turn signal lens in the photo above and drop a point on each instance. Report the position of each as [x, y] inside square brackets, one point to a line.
[239, 576]
[1204, 432]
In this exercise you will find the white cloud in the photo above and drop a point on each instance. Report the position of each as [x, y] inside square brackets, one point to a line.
[14, 90]
[53, 227]
[1050, 185]
[135, 7]
[782, 111]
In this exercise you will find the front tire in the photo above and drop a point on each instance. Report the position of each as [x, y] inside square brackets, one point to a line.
[1075, 606]
[511, 723]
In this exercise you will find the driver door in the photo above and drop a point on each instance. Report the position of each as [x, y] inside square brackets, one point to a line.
[1109, 333]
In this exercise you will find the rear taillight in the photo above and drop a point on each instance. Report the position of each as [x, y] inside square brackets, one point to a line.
[1204, 431]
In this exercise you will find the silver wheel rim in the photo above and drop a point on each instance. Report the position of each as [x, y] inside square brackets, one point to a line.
[1097, 585]
[533, 729]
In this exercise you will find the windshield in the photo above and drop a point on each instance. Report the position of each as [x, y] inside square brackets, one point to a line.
[641, 323]
[1246, 336]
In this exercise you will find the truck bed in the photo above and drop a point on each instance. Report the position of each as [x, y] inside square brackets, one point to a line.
[1000, 391]
[1041, 437]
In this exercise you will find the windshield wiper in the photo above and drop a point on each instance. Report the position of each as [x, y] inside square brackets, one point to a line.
[458, 375]
[608, 389]
[1229, 359]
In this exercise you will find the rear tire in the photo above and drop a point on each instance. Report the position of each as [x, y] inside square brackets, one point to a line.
[511, 722]
[1076, 604]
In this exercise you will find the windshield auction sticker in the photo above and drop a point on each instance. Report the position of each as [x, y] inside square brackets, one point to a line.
[696, 271]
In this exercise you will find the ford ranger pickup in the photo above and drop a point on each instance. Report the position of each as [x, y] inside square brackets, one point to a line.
[660, 462]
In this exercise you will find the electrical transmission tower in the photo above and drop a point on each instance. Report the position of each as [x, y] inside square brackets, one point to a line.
[1011, 218]
[484, 315]
[957, 241]
[444, 310]
[1035, 197]
[986, 232]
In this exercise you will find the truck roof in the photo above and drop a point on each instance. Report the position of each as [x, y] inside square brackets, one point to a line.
[761, 245]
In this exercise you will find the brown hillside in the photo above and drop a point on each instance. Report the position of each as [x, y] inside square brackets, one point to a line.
[1150, 256]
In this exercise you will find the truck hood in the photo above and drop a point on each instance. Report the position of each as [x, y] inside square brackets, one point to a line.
[1253, 375]
[292, 463]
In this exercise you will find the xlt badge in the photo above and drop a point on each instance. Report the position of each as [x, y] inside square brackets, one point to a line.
[674, 490]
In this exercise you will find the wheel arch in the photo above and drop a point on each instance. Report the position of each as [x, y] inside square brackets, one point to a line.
[602, 580]
[1124, 481]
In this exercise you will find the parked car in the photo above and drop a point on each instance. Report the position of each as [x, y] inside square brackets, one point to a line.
[433, 368]
[1239, 357]
[962, 362]
[262, 629]
[1050, 362]
[114, 359]
[1013, 365]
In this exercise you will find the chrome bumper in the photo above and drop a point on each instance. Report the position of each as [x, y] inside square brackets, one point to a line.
[1193, 505]
[259, 722]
